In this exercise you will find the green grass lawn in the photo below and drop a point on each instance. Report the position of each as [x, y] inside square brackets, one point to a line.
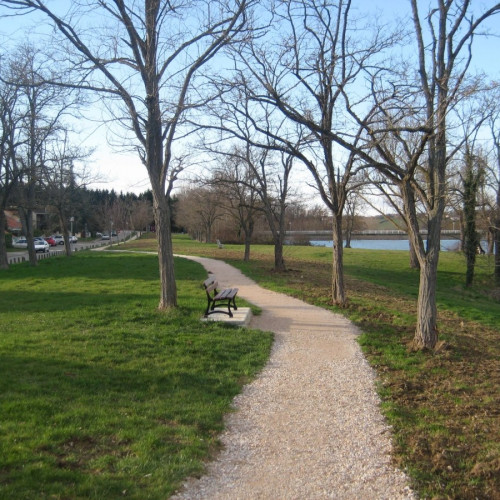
[102, 395]
[443, 405]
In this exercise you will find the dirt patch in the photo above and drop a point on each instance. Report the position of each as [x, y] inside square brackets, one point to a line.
[81, 452]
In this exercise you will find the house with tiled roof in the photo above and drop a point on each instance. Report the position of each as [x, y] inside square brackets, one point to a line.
[13, 221]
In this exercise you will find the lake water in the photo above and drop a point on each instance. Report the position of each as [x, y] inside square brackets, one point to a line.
[446, 245]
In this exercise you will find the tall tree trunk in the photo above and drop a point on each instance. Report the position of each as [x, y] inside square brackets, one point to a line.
[64, 230]
[490, 241]
[426, 328]
[168, 289]
[497, 235]
[157, 163]
[497, 253]
[348, 236]
[426, 333]
[279, 261]
[471, 246]
[4, 261]
[338, 289]
[248, 232]
[471, 240]
[278, 231]
[246, 256]
[462, 232]
[26, 217]
[414, 262]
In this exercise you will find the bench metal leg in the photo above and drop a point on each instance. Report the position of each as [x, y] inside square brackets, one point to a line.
[211, 309]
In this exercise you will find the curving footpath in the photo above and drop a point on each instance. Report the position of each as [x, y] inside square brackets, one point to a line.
[309, 426]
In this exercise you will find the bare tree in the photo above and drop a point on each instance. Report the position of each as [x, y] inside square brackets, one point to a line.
[274, 191]
[413, 108]
[199, 210]
[119, 213]
[299, 73]
[105, 216]
[239, 184]
[472, 176]
[268, 163]
[468, 193]
[352, 208]
[495, 227]
[60, 180]
[380, 185]
[442, 74]
[146, 63]
[141, 215]
[40, 107]
[9, 137]
[270, 178]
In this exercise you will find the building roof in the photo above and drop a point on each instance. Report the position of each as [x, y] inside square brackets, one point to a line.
[13, 221]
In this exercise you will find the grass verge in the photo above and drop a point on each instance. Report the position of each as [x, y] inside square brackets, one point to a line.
[102, 395]
[443, 405]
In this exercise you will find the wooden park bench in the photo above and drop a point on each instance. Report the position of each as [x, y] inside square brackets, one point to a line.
[225, 297]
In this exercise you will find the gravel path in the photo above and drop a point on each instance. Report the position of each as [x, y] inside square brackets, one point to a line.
[309, 426]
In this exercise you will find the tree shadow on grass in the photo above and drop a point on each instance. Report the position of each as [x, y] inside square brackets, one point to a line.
[73, 424]
[100, 266]
[43, 302]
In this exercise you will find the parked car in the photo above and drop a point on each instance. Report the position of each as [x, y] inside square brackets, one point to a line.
[59, 239]
[105, 236]
[51, 241]
[41, 245]
[73, 239]
[20, 243]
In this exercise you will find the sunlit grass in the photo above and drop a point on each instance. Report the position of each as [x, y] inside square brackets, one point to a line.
[101, 394]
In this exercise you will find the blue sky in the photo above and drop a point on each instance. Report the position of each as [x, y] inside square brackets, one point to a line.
[124, 172]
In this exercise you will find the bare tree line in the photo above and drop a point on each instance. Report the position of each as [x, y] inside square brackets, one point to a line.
[35, 155]
[40, 168]
[306, 82]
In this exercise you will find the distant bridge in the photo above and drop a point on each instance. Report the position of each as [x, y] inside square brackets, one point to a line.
[385, 232]
[365, 234]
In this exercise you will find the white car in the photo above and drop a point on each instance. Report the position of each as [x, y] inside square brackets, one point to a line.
[20, 243]
[59, 239]
[40, 244]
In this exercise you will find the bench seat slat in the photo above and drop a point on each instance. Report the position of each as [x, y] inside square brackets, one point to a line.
[228, 293]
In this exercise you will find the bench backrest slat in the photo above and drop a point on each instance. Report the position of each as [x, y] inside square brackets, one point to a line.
[210, 284]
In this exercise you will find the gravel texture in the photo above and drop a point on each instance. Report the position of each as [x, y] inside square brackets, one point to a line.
[309, 426]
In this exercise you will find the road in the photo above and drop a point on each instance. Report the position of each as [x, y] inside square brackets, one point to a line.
[19, 255]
